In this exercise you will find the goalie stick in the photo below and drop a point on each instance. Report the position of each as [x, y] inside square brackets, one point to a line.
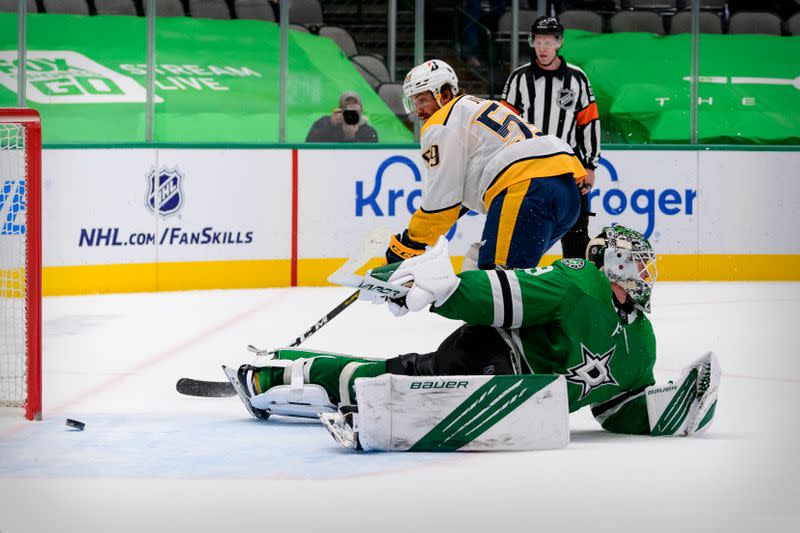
[372, 285]
[376, 242]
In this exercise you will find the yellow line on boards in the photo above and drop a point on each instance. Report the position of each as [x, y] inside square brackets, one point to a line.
[148, 277]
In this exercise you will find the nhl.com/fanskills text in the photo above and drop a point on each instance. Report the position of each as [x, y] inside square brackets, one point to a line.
[172, 236]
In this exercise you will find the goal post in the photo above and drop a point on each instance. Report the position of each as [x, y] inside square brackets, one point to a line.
[21, 261]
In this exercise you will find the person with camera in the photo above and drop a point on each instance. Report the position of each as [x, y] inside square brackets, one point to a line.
[347, 123]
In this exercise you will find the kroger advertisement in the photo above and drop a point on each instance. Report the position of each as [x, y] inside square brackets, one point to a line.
[655, 192]
[227, 207]
[346, 193]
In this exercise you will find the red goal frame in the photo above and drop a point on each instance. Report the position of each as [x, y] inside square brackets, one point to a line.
[31, 122]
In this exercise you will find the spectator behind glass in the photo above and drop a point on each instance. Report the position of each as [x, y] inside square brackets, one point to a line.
[276, 9]
[347, 123]
[469, 41]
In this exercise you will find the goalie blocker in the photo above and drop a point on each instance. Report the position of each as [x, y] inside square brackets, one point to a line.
[454, 413]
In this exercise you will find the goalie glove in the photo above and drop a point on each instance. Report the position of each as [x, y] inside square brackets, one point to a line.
[685, 407]
[430, 275]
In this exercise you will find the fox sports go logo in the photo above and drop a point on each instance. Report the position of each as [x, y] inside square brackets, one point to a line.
[619, 204]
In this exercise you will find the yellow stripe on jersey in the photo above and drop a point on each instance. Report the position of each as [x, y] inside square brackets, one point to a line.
[508, 219]
[440, 116]
[539, 167]
[427, 226]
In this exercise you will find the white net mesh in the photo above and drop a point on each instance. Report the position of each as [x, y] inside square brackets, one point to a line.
[13, 225]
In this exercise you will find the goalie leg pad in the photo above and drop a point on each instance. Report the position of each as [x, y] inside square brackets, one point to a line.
[685, 407]
[456, 413]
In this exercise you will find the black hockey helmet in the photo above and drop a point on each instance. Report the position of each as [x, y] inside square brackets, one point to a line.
[547, 26]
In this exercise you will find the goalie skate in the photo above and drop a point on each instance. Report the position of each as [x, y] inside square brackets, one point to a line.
[241, 391]
[298, 398]
[343, 426]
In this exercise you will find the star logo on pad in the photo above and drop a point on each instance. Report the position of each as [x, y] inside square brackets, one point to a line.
[592, 372]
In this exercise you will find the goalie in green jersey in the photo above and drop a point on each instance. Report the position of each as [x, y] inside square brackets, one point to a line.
[581, 319]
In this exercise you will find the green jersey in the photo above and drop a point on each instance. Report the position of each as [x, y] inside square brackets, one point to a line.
[561, 318]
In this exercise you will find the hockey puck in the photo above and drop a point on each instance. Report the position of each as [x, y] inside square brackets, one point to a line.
[77, 424]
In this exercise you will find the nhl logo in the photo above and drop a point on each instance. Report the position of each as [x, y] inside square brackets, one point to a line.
[164, 192]
[566, 98]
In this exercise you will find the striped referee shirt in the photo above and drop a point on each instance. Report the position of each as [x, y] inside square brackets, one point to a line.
[559, 102]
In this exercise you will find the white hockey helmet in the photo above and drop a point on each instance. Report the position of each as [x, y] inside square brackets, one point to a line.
[429, 76]
[627, 259]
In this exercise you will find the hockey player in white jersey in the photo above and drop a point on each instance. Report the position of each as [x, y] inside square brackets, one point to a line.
[481, 156]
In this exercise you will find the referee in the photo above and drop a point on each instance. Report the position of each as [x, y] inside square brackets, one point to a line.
[556, 97]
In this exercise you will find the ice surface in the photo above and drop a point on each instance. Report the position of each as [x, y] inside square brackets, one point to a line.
[152, 460]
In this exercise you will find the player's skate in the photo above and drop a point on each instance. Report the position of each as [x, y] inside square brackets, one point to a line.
[243, 382]
[343, 426]
[279, 386]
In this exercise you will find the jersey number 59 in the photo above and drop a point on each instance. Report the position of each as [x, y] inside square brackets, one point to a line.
[503, 129]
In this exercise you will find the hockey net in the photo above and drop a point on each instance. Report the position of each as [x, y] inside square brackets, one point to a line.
[20, 261]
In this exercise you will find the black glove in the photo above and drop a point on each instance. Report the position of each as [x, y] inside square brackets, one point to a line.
[401, 247]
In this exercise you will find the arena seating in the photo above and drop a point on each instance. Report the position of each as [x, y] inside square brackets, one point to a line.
[660, 17]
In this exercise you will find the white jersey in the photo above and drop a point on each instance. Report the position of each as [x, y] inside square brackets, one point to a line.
[473, 150]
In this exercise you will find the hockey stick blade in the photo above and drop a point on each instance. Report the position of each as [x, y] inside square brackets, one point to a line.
[372, 247]
[346, 275]
[205, 389]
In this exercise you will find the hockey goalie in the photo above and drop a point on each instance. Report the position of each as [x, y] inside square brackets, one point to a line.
[535, 344]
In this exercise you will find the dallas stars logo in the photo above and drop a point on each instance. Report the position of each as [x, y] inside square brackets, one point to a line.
[593, 372]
